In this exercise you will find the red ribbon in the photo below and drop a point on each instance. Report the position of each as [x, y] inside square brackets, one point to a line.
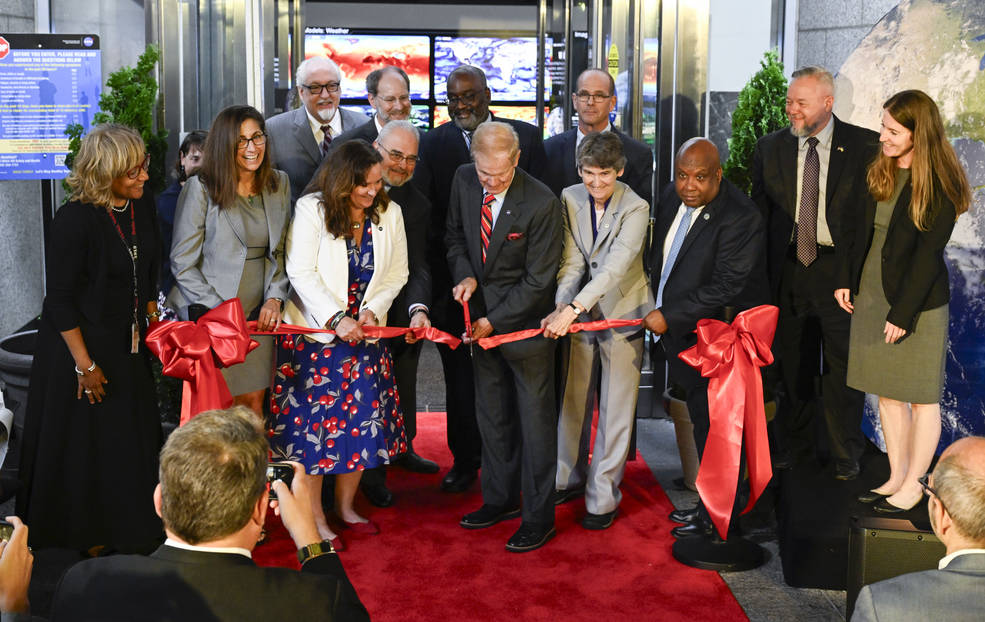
[497, 340]
[730, 356]
[189, 350]
[373, 332]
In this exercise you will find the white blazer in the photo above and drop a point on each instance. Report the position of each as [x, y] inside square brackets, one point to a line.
[319, 269]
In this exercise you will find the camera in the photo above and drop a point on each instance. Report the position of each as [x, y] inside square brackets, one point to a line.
[282, 471]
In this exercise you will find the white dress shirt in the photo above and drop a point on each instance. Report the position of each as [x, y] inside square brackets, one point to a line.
[335, 126]
[209, 549]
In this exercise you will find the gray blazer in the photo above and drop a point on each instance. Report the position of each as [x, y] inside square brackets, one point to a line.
[953, 594]
[293, 146]
[209, 248]
[609, 271]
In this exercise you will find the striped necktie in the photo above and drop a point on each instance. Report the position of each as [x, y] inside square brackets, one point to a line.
[485, 224]
[325, 142]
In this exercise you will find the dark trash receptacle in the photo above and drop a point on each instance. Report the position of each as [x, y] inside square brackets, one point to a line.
[16, 356]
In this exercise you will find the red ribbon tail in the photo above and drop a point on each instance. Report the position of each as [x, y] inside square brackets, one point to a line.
[186, 403]
[757, 441]
[718, 474]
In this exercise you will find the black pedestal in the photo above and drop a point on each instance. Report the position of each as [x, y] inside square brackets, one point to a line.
[719, 555]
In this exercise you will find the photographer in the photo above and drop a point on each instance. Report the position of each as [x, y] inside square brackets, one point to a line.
[213, 500]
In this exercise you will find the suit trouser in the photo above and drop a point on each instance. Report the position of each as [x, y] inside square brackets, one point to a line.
[405, 358]
[462, 429]
[617, 357]
[806, 297]
[517, 417]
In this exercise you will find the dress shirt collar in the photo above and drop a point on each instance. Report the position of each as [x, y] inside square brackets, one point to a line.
[208, 549]
[315, 123]
[947, 559]
[468, 135]
[823, 137]
[581, 135]
[376, 121]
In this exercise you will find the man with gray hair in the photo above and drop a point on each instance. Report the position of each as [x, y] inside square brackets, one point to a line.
[388, 92]
[953, 592]
[213, 499]
[809, 182]
[300, 138]
[504, 247]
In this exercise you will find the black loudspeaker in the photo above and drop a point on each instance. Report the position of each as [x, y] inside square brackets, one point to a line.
[883, 548]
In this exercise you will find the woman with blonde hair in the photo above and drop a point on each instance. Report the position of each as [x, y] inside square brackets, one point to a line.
[92, 431]
[229, 241]
[896, 270]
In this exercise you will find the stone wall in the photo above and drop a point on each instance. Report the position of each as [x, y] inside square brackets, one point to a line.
[828, 30]
[20, 216]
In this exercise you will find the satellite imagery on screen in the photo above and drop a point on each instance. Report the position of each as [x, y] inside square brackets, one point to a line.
[509, 64]
[359, 54]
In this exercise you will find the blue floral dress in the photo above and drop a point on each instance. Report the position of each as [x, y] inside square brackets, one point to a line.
[334, 406]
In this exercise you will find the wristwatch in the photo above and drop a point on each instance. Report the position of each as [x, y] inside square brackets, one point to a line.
[315, 549]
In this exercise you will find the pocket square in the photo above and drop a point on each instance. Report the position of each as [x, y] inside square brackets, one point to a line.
[516, 235]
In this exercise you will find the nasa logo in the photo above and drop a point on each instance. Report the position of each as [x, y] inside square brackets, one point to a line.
[4, 48]
[87, 41]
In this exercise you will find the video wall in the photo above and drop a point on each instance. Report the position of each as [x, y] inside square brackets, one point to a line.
[509, 61]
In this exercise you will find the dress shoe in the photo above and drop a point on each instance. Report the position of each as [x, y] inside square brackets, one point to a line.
[369, 528]
[487, 516]
[598, 521]
[684, 516]
[847, 471]
[567, 494]
[458, 479]
[870, 496]
[696, 529]
[379, 495]
[416, 464]
[885, 507]
[529, 537]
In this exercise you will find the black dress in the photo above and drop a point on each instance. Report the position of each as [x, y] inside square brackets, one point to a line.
[89, 471]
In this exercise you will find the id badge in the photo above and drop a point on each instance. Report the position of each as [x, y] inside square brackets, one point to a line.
[134, 338]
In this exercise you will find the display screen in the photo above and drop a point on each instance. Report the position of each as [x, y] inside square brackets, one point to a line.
[510, 64]
[359, 54]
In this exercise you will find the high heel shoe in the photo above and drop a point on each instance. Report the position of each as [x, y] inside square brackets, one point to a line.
[870, 496]
[369, 528]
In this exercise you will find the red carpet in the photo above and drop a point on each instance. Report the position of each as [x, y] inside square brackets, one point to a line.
[423, 566]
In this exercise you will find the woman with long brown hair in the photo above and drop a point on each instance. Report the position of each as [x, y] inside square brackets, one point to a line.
[229, 240]
[335, 404]
[897, 272]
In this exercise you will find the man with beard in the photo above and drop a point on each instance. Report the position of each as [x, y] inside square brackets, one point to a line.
[809, 181]
[443, 150]
[956, 504]
[299, 139]
[388, 92]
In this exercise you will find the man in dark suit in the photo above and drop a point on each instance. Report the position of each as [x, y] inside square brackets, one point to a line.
[388, 92]
[397, 142]
[213, 500]
[707, 255]
[504, 246]
[594, 99]
[957, 507]
[815, 168]
[443, 150]
[298, 139]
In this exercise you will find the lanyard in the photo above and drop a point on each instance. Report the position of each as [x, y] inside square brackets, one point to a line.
[132, 251]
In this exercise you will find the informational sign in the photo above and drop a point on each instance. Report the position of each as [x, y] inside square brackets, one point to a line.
[47, 82]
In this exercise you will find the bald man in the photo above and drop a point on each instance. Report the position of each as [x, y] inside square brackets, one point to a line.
[957, 515]
[707, 256]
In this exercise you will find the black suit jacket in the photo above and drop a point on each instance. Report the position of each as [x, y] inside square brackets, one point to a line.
[774, 187]
[720, 263]
[914, 275]
[178, 584]
[442, 151]
[417, 213]
[366, 131]
[562, 171]
[518, 279]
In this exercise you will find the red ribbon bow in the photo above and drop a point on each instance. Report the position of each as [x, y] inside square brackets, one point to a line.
[730, 356]
[189, 350]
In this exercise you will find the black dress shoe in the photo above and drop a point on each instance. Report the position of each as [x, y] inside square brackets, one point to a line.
[416, 464]
[487, 516]
[847, 471]
[598, 521]
[529, 537]
[379, 495]
[696, 529]
[458, 479]
[684, 516]
[885, 507]
[567, 494]
[870, 497]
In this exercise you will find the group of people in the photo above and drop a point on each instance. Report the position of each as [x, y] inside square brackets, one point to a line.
[322, 218]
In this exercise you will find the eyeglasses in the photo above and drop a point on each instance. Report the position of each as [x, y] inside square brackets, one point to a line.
[398, 157]
[468, 98]
[924, 483]
[258, 140]
[316, 89]
[584, 97]
[134, 173]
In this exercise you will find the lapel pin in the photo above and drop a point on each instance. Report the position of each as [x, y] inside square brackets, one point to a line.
[841, 148]
[706, 216]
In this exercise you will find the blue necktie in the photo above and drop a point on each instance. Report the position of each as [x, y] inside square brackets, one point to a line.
[675, 247]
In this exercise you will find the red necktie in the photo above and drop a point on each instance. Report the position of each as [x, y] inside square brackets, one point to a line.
[485, 228]
[325, 142]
